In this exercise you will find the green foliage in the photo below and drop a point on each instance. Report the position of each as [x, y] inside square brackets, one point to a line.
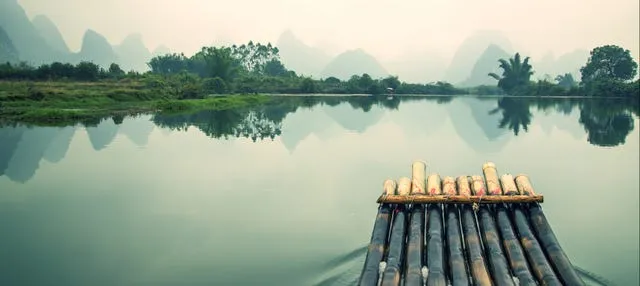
[566, 80]
[609, 63]
[515, 73]
[308, 86]
[115, 70]
[215, 85]
[168, 64]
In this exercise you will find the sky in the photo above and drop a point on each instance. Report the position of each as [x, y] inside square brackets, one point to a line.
[387, 29]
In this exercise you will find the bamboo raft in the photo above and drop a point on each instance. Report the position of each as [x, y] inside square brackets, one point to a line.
[471, 230]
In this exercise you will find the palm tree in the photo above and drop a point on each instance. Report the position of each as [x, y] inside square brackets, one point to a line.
[515, 73]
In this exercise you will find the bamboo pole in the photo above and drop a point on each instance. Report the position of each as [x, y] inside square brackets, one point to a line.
[550, 244]
[395, 259]
[491, 176]
[508, 185]
[524, 185]
[415, 247]
[458, 199]
[449, 186]
[433, 185]
[541, 267]
[375, 253]
[389, 187]
[404, 186]
[464, 189]
[477, 183]
[513, 249]
[495, 256]
[474, 249]
[435, 256]
[418, 177]
[457, 263]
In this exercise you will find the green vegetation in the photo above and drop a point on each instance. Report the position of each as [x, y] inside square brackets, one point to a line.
[608, 72]
[62, 101]
[62, 91]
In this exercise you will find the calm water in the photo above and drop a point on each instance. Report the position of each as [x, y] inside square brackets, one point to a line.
[285, 194]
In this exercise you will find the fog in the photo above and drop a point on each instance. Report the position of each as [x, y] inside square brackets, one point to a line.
[385, 29]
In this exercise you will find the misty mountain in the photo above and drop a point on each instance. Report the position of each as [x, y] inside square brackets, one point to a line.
[486, 63]
[50, 33]
[133, 54]
[25, 37]
[354, 62]
[160, 50]
[96, 48]
[470, 51]
[417, 68]
[8, 52]
[301, 58]
[549, 66]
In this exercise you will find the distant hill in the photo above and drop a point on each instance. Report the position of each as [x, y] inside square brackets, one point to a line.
[417, 68]
[301, 58]
[25, 37]
[470, 51]
[132, 54]
[566, 63]
[96, 48]
[8, 52]
[354, 62]
[160, 50]
[486, 63]
[49, 31]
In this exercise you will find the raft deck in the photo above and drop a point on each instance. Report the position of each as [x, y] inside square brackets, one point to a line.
[471, 230]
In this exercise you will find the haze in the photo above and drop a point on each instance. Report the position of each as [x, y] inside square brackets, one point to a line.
[385, 29]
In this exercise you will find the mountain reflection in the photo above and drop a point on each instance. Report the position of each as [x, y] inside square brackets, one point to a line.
[485, 124]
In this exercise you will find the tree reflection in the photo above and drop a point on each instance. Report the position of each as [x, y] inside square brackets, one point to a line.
[515, 114]
[607, 122]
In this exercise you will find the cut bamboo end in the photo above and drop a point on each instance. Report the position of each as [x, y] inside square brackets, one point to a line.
[433, 185]
[509, 185]
[404, 186]
[449, 186]
[389, 187]
[477, 186]
[463, 186]
[458, 199]
[524, 185]
[422, 189]
[491, 176]
[418, 177]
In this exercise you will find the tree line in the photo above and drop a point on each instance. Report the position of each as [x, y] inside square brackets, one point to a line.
[256, 68]
[609, 71]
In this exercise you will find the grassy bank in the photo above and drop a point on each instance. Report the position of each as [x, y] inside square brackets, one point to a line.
[62, 101]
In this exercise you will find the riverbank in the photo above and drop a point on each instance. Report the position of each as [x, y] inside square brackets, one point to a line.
[60, 102]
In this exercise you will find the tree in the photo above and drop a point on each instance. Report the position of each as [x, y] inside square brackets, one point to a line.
[609, 62]
[275, 68]
[115, 70]
[566, 80]
[87, 71]
[515, 73]
[219, 62]
[168, 64]
[391, 82]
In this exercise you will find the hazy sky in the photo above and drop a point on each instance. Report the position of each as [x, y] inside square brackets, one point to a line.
[385, 28]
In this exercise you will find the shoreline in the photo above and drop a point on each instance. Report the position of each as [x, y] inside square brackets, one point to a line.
[59, 102]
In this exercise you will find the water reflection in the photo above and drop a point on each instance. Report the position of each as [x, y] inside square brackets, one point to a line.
[290, 195]
[484, 124]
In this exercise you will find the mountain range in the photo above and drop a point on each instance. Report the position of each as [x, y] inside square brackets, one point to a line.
[39, 41]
